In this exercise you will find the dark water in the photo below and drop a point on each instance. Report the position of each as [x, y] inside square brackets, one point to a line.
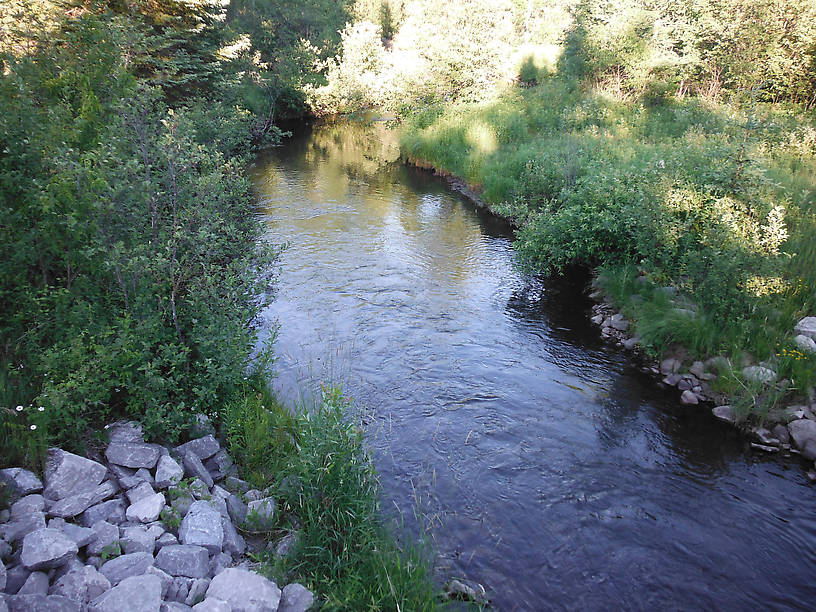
[548, 469]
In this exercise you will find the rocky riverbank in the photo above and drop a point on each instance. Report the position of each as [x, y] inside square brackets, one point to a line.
[790, 430]
[141, 528]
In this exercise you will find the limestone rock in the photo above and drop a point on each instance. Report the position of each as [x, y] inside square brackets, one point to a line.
[21, 481]
[81, 585]
[202, 527]
[20, 527]
[178, 589]
[27, 505]
[237, 509]
[124, 431]
[74, 505]
[781, 433]
[68, 474]
[211, 604]
[137, 539]
[15, 578]
[81, 536]
[133, 454]
[219, 465]
[261, 513]
[183, 560]
[809, 450]
[758, 374]
[619, 322]
[805, 343]
[802, 431]
[140, 491]
[193, 467]
[41, 603]
[134, 594]
[244, 590]
[806, 327]
[689, 398]
[669, 366]
[166, 579]
[35, 584]
[168, 472]
[104, 535]
[46, 548]
[286, 544]
[295, 598]
[234, 543]
[203, 448]
[125, 566]
[197, 591]
[146, 510]
[725, 414]
[165, 539]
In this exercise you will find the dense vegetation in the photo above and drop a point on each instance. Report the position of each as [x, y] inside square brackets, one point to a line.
[668, 143]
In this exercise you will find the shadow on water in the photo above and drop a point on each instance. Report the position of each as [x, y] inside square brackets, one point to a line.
[547, 467]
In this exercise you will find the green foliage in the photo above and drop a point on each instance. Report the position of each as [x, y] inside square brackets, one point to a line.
[316, 466]
[111, 551]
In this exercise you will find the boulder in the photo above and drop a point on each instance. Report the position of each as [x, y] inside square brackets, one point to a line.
[27, 505]
[183, 560]
[124, 432]
[168, 472]
[261, 513]
[781, 433]
[619, 322]
[237, 509]
[244, 590]
[809, 450]
[233, 544]
[725, 414]
[178, 589]
[197, 591]
[211, 604]
[81, 585]
[165, 539]
[193, 467]
[47, 548]
[20, 481]
[125, 566]
[669, 366]
[166, 579]
[203, 448]
[134, 594]
[20, 527]
[805, 343]
[219, 563]
[41, 603]
[133, 454]
[146, 510]
[140, 491]
[806, 327]
[137, 539]
[81, 536]
[286, 544]
[689, 398]
[75, 505]
[201, 526]
[295, 598]
[68, 474]
[35, 584]
[219, 465]
[802, 431]
[15, 578]
[104, 535]
[759, 374]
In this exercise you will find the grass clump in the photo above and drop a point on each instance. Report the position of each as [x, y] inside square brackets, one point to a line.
[315, 465]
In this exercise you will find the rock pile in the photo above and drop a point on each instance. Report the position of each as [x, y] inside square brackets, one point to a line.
[130, 534]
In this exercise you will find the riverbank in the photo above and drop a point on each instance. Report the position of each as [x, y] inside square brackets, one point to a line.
[702, 257]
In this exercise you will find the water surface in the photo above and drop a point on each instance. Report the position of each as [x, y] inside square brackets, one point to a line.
[547, 468]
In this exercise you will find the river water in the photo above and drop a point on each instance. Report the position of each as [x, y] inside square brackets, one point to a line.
[546, 467]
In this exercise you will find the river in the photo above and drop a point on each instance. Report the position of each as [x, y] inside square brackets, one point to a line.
[546, 466]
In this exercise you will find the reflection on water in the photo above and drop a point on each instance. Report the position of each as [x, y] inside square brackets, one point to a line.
[549, 470]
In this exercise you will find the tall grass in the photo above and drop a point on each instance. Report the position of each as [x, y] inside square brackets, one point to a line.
[716, 200]
[316, 466]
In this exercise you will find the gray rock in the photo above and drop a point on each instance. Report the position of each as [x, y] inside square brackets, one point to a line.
[35, 584]
[168, 472]
[125, 566]
[124, 432]
[166, 539]
[457, 590]
[133, 454]
[619, 322]
[764, 436]
[145, 474]
[146, 510]
[166, 579]
[211, 604]
[46, 548]
[684, 384]
[74, 505]
[237, 509]
[134, 594]
[244, 590]
[764, 448]
[203, 448]
[631, 343]
[286, 544]
[41, 603]
[202, 426]
[20, 481]
[20, 527]
[183, 560]
[219, 563]
[295, 598]
[261, 513]
[237, 485]
[199, 489]
[802, 431]
[806, 327]
[193, 467]
[233, 544]
[178, 589]
[758, 374]
[197, 591]
[805, 343]
[112, 511]
[15, 578]
[81, 536]
[174, 606]
[669, 366]
[140, 491]
[68, 474]
[781, 433]
[219, 465]
[202, 527]
[253, 495]
[26, 505]
[137, 539]
[104, 535]
[182, 503]
[725, 414]
[2, 577]
[81, 585]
